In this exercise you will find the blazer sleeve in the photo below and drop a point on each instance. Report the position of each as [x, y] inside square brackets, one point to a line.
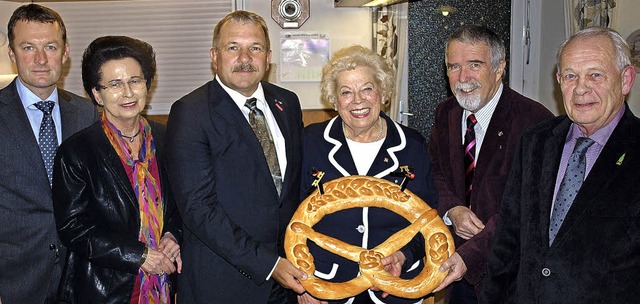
[172, 219]
[79, 228]
[192, 178]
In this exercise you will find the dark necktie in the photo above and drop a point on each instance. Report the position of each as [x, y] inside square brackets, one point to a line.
[469, 157]
[260, 128]
[571, 183]
[47, 140]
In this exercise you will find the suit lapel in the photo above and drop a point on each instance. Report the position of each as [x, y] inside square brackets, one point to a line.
[339, 155]
[494, 138]
[456, 149]
[278, 108]
[605, 170]
[226, 109]
[68, 114]
[551, 154]
[112, 162]
[393, 143]
[14, 120]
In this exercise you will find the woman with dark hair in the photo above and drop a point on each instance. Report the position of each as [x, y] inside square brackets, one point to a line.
[112, 205]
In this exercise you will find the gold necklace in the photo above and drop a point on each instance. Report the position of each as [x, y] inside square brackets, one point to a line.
[379, 137]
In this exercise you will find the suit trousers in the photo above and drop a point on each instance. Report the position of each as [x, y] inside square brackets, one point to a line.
[462, 293]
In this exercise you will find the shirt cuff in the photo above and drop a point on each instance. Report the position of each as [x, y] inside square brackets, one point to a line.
[446, 219]
[273, 269]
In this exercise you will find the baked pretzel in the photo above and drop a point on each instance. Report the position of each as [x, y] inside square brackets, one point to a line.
[365, 191]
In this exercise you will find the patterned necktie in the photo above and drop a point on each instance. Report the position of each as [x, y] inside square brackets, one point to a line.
[571, 183]
[47, 140]
[260, 128]
[469, 157]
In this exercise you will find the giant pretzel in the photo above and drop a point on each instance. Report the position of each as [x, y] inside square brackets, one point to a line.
[365, 191]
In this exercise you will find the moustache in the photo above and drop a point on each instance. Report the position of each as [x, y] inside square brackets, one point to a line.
[245, 67]
[467, 86]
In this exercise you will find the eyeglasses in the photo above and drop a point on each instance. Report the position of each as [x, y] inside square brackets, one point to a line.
[117, 86]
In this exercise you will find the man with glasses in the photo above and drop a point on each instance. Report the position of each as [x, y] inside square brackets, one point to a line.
[35, 116]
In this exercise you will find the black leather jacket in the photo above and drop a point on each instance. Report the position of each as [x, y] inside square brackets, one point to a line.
[98, 219]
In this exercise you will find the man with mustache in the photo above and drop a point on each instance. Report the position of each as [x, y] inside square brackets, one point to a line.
[475, 134]
[233, 159]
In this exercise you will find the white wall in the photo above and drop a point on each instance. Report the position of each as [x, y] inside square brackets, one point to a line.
[6, 9]
[627, 23]
[343, 26]
[537, 80]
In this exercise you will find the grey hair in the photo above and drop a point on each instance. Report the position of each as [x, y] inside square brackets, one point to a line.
[622, 51]
[473, 34]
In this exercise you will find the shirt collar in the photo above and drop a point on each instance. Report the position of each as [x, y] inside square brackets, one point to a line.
[483, 116]
[240, 99]
[28, 98]
[600, 136]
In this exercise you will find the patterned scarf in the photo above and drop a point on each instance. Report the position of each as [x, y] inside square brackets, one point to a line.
[153, 288]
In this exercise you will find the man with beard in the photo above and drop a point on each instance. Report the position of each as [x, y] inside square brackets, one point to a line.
[472, 143]
[233, 158]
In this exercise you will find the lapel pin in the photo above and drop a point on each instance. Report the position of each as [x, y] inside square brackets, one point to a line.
[279, 105]
[500, 133]
[621, 159]
[386, 160]
[317, 181]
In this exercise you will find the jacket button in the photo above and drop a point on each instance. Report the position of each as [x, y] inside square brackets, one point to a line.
[360, 228]
[546, 272]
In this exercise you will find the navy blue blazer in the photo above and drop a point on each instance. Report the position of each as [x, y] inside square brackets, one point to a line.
[234, 220]
[326, 149]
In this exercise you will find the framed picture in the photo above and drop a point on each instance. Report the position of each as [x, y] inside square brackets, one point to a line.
[580, 14]
[302, 56]
[634, 44]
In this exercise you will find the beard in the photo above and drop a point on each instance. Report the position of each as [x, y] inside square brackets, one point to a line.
[469, 102]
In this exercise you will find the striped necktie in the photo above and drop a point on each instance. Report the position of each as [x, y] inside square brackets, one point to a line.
[469, 157]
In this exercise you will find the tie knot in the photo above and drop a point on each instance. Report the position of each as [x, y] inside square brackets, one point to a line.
[45, 106]
[471, 121]
[251, 103]
[582, 144]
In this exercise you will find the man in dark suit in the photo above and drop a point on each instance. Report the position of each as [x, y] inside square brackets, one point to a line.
[582, 245]
[475, 61]
[30, 251]
[235, 194]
